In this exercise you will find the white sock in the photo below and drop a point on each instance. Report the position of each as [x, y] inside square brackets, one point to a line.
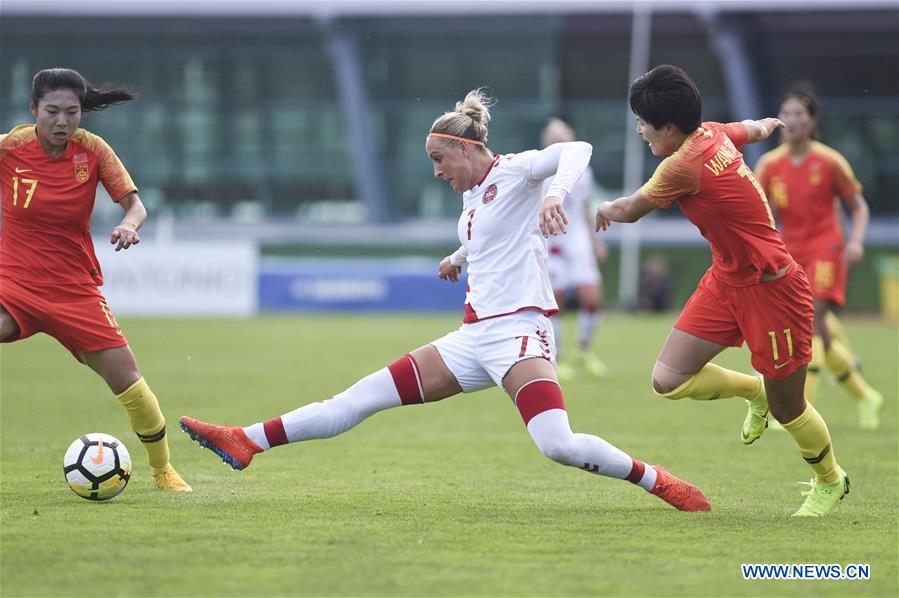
[336, 415]
[553, 436]
[556, 321]
[256, 433]
[587, 321]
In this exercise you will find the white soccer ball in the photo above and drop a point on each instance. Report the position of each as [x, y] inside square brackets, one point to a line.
[97, 466]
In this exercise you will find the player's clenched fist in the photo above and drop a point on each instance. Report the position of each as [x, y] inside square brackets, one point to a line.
[448, 271]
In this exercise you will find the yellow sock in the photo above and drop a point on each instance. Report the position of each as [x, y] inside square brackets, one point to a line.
[813, 374]
[147, 422]
[714, 382]
[837, 331]
[840, 363]
[813, 439]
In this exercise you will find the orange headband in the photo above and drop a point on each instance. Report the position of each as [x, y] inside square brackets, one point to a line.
[462, 139]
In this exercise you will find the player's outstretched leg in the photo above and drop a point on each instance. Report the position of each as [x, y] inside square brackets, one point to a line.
[841, 363]
[397, 384]
[713, 382]
[119, 370]
[148, 423]
[542, 407]
[587, 322]
[811, 435]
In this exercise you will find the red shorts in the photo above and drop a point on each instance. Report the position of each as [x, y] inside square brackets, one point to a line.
[775, 318]
[75, 315]
[826, 271]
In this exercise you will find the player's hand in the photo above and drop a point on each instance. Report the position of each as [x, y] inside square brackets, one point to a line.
[552, 216]
[602, 223]
[769, 125]
[124, 236]
[853, 254]
[448, 271]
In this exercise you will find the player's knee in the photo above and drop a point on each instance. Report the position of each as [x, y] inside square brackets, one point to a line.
[8, 326]
[560, 449]
[666, 381]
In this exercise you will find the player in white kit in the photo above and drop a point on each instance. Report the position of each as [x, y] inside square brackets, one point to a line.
[505, 339]
[573, 267]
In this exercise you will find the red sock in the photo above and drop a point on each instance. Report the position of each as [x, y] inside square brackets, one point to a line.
[274, 432]
[408, 383]
[538, 396]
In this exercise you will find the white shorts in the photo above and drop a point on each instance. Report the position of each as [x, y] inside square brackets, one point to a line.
[481, 354]
[573, 269]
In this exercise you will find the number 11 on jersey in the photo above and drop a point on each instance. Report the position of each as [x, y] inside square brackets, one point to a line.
[789, 336]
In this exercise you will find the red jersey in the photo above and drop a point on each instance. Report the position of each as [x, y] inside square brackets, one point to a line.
[805, 193]
[47, 203]
[718, 193]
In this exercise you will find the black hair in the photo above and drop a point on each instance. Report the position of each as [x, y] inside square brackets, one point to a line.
[803, 91]
[92, 99]
[666, 94]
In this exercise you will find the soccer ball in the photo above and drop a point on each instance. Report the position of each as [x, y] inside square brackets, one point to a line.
[97, 466]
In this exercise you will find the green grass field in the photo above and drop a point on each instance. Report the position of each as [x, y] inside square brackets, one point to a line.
[443, 499]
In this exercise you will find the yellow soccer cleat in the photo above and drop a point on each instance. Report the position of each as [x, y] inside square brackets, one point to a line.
[565, 371]
[756, 417]
[593, 365]
[775, 425]
[169, 480]
[869, 408]
[821, 499]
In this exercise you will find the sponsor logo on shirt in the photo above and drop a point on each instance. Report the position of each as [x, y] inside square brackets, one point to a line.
[489, 193]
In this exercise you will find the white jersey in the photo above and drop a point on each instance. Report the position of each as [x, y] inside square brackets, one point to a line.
[499, 230]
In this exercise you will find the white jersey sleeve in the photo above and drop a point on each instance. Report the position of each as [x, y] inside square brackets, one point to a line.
[565, 162]
[459, 256]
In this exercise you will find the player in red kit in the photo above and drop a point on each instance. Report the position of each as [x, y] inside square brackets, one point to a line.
[49, 275]
[753, 292]
[803, 177]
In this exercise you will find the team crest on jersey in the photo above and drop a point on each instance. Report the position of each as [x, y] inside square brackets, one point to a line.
[490, 193]
[81, 168]
[815, 175]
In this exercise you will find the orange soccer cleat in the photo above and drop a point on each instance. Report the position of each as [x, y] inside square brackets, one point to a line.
[681, 495]
[231, 444]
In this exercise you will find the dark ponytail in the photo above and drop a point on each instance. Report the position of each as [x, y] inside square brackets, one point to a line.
[92, 99]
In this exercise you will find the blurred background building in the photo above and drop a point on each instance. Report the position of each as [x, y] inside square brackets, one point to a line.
[300, 125]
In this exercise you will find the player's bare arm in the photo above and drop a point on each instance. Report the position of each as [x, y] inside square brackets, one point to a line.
[859, 213]
[759, 130]
[124, 235]
[623, 209]
[599, 246]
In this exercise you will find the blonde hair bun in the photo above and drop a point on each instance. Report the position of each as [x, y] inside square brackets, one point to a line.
[476, 106]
